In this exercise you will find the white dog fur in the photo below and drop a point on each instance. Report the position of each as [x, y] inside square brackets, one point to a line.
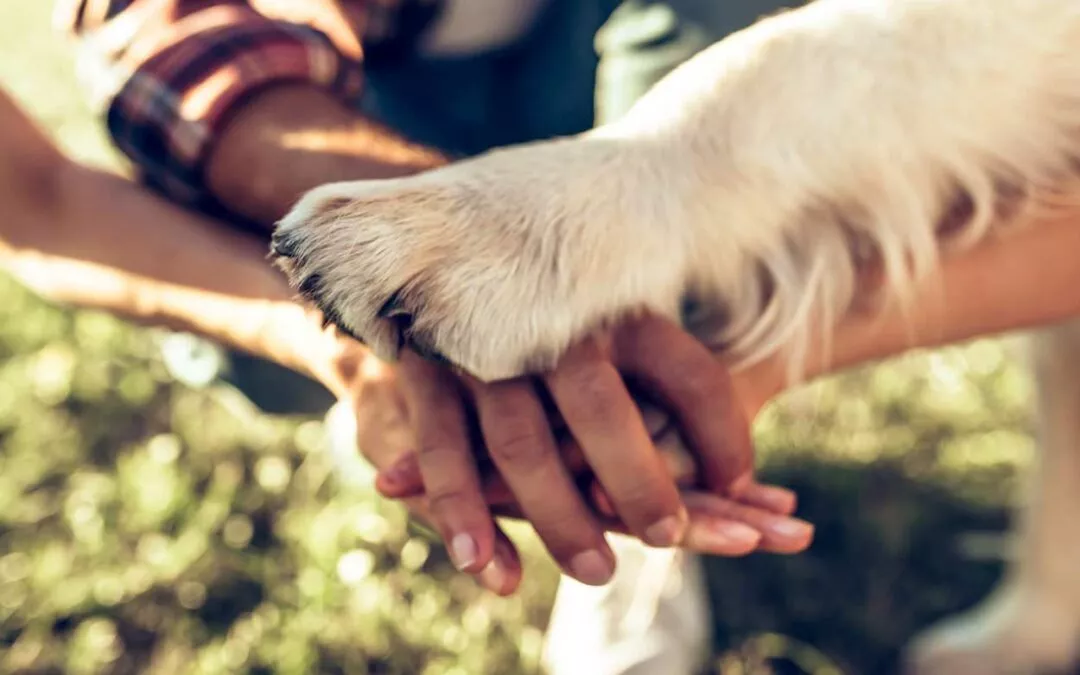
[741, 195]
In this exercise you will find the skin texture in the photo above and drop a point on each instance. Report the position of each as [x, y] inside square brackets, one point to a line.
[291, 138]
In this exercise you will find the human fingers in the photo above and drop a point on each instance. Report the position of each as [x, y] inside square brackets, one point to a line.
[523, 449]
[446, 462]
[694, 385]
[604, 420]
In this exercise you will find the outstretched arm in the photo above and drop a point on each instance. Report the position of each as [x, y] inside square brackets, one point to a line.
[90, 238]
[1025, 279]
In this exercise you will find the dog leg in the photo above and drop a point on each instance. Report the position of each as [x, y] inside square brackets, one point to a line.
[742, 182]
[1031, 624]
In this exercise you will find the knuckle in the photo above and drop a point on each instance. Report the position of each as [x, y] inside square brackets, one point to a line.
[441, 437]
[647, 500]
[595, 386]
[451, 499]
[698, 384]
[426, 449]
[568, 533]
[564, 548]
[519, 444]
[434, 451]
[504, 399]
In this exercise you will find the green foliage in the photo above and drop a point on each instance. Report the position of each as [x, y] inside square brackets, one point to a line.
[144, 526]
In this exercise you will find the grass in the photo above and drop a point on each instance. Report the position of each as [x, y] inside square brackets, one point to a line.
[149, 527]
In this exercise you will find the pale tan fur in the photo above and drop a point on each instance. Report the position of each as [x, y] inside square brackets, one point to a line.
[752, 181]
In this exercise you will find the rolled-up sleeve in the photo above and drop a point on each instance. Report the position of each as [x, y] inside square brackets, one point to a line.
[168, 74]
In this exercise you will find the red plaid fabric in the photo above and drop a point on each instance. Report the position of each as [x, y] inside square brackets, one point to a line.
[169, 73]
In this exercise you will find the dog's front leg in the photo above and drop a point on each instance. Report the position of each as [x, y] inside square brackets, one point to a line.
[1031, 624]
[745, 181]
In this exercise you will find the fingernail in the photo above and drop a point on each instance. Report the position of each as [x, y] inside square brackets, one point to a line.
[463, 551]
[603, 502]
[388, 479]
[779, 499]
[741, 484]
[494, 577]
[789, 527]
[591, 567]
[666, 532]
[737, 533]
[399, 480]
[401, 469]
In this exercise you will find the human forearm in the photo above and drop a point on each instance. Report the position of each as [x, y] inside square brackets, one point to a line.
[104, 242]
[55, 207]
[249, 100]
[292, 138]
[1021, 281]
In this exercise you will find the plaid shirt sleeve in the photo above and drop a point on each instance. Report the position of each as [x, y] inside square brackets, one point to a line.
[169, 73]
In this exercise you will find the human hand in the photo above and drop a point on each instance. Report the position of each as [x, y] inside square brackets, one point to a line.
[540, 470]
[384, 434]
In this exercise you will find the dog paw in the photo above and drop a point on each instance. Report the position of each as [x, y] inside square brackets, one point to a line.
[748, 186]
[1018, 631]
[495, 264]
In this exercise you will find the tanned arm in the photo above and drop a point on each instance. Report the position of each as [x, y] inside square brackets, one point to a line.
[93, 239]
[290, 139]
[1025, 280]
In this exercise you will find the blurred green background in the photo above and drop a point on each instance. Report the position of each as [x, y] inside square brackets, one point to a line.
[149, 527]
